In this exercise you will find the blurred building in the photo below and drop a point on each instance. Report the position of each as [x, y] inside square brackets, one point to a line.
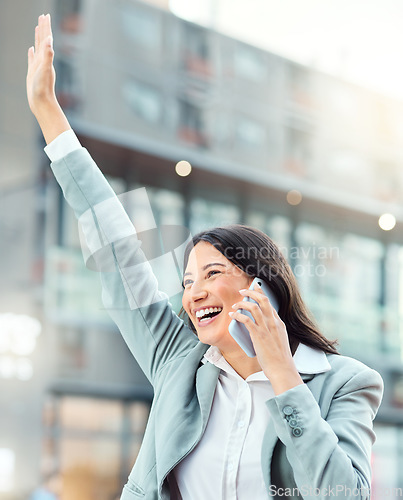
[309, 159]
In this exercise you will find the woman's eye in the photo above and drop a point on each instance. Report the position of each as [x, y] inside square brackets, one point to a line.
[210, 273]
[187, 283]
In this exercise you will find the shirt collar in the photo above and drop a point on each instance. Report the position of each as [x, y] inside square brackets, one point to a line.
[307, 360]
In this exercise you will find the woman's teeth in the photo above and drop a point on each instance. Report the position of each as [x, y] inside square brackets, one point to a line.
[209, 310]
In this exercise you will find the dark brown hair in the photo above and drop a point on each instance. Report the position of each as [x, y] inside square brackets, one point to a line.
[256, 254]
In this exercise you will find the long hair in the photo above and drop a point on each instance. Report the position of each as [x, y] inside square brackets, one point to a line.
[258, 256]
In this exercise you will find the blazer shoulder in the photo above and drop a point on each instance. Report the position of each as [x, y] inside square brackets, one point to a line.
[346, 368]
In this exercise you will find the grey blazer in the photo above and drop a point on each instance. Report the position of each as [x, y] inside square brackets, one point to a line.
[320, 433]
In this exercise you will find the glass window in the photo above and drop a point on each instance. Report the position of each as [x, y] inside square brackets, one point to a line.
[71, 290]
[250, 135]
[92, 443]
[192, 128]
[299, 154]
[168, 206]
[67, 88]
[138, 414]
[90, 467]
[72, 344]
[278, 228]
[196, 51]
[144, 100]
[387, 454]
[301, 85]
[205, 214]
[250, 63]
[67, 8]
[340, 276]
[141, 25]
[89, 414]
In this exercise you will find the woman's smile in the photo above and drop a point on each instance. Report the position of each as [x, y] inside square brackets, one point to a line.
[211, 287]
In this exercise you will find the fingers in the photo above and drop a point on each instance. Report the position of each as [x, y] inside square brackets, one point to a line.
[242, 318]
[258, 296]
[253, 308]
[47, 26]
[43, 31]
[30, 55]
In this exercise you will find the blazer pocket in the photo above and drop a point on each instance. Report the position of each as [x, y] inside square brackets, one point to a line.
[131, 491]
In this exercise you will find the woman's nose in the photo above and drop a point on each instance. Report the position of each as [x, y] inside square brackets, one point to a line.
[198, 291]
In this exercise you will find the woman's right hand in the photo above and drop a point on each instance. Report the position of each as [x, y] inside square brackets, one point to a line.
[41, 76]
[41, 79]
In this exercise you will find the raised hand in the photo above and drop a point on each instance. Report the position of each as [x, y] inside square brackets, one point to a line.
[41, 78]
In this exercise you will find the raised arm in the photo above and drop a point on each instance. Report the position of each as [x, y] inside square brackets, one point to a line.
[41, 78]
[153, 332]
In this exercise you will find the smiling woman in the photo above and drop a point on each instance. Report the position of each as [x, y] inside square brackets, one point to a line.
[222, 424]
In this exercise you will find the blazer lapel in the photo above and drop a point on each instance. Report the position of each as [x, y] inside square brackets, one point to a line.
[185, 434]
[206, 382]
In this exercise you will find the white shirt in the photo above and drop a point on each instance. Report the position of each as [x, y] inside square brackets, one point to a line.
[225, 464]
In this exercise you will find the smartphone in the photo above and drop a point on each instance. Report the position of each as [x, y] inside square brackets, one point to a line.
[238, 330]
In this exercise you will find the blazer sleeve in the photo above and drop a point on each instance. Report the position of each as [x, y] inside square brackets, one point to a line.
[143, 314]
[333, 451]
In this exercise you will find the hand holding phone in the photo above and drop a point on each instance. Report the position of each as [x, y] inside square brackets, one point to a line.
[238, 330]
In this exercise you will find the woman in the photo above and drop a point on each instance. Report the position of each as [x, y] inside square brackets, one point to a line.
[295, 421]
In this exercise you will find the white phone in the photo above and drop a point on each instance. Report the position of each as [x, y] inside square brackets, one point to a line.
[238, 330]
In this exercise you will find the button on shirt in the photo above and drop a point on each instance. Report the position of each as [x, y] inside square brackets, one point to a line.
[225, 464]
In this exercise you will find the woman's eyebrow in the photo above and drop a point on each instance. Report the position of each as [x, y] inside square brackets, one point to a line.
[209, 265]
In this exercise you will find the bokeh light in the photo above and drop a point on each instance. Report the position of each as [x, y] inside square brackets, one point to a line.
[294, 197]
[183, 168]
[387, 222]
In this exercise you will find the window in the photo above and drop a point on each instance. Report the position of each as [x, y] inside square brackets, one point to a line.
[196, 52]
[250, 135]
[168, 206]
[299, 154]
[250, 63]
[278, 228]
[141, 25]
[301, 86]
[206, 214]
[93, 442]
[68, 42]
[71, 290]
[144, 100]
[340, 276]
[191, 124]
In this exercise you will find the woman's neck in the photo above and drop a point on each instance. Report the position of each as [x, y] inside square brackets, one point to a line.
[242, 363]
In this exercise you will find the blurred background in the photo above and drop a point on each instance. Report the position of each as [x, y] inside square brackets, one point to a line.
[287, 116]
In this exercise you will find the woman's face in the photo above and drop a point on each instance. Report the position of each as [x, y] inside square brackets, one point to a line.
[212, 282]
